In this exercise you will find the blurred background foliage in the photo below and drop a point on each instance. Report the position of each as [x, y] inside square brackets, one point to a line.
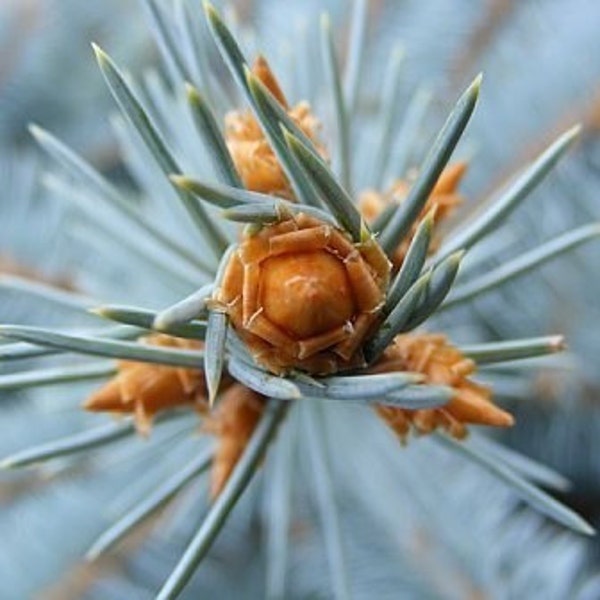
[542, 74]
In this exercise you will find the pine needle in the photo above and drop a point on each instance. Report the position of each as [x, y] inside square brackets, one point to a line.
[522, 264]
[320, 464]
[210, 132]
[340, 112]
[225, 502]
[434, 164]
[140, 120]
[80, 442]
[214, 355]
[146, 319]
[522, 488]
[103, 347]
[510, 199]
[56, 375]
[147, 505]
[507, 350]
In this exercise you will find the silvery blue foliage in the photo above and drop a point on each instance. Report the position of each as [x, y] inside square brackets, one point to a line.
[46, 72]
[410, 503]
[409, 509]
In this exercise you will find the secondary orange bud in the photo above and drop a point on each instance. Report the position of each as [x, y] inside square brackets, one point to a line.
[252, 155]
[444, 198]
[145, 389]
[443, 364]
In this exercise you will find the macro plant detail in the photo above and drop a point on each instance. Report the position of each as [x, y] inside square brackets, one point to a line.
[444, 199]
[250, 151]
[145, 390]
[302, 296]
[441, 364]
[317, 300]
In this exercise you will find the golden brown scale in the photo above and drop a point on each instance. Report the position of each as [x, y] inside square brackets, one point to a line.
[303, 296]
[252, 155]
[233, 423]
[443, 199]
[145, 389]
[442, 364]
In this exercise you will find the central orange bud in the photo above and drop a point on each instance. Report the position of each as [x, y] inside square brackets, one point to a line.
[306, 294]
[303, 296]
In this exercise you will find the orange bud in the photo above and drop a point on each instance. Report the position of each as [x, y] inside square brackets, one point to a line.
[441, 364]
[444, 199]
[145, 389]
[302, 296]
[252, 155]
